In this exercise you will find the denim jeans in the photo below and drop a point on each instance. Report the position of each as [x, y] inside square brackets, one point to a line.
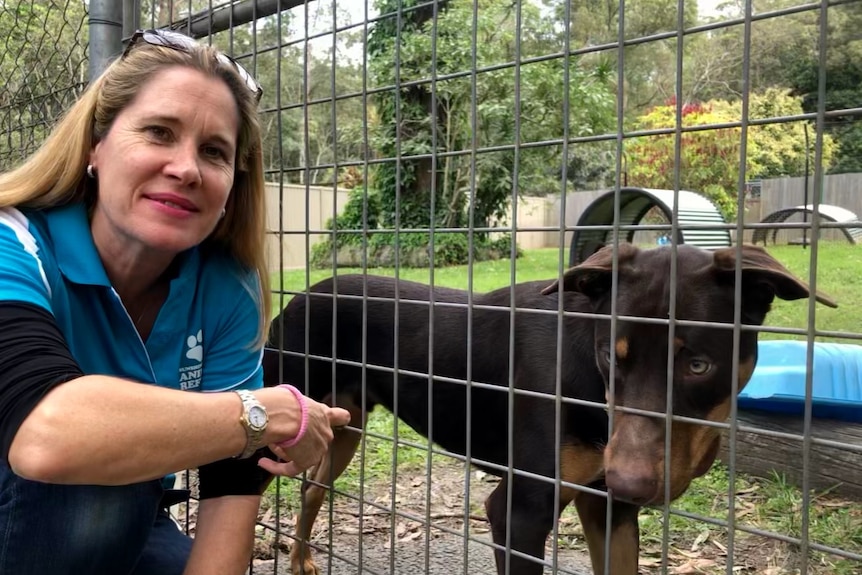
[87, 530]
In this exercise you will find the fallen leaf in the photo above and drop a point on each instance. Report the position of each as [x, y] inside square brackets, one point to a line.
[649, 561]
[267, 517]
[834, 503]
[748, 490]
[693, 566]
[700, 539]
[411, 536]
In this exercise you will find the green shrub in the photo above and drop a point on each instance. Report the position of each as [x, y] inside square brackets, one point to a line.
[363, 212]
[351, 218]
[414, 250]
[503, 246]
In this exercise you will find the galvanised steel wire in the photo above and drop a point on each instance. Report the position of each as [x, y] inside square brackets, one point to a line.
[23, 122]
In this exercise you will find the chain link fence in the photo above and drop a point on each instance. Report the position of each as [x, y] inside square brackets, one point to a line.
[384, 120]
[43, 64]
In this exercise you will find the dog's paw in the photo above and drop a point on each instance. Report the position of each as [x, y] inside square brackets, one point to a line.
[302, 565]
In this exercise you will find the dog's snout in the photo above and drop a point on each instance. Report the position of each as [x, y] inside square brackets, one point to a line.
[634, 484]
[632, 459]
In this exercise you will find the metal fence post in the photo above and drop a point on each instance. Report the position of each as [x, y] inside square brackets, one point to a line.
[131, 17]
[106, 34]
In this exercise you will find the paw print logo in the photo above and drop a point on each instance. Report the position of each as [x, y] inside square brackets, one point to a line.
[196, 350]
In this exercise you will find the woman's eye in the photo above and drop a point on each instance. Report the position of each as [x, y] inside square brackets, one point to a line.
[699, 366]
[213, 152]
[158, 132]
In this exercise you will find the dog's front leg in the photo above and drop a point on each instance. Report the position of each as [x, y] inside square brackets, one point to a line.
[530, 522]
[592, 510]
[333, 464]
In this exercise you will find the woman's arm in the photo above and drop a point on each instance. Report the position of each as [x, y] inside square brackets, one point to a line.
[63, 427]
[224, 536]
[109, 431]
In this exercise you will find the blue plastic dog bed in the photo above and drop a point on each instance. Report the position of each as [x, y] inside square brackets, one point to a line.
[778, 382]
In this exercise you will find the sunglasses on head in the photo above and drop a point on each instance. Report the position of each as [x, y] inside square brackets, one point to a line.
[177, 41]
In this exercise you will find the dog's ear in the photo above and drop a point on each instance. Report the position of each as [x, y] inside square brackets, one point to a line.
[764, 278]
[593, 277]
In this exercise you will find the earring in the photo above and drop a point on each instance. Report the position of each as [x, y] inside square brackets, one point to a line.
[223, 212]
[91, 171]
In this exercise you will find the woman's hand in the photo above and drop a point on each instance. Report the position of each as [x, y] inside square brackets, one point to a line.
[311, 443]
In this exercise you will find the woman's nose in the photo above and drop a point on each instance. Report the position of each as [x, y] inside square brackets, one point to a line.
[184, 164]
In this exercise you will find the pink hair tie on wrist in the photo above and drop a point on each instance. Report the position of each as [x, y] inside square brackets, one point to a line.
[303, 423]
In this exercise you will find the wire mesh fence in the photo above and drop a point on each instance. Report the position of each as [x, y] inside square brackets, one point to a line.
[43, 64]
[454, 145]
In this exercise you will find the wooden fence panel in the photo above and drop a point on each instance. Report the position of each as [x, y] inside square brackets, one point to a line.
[842, 190]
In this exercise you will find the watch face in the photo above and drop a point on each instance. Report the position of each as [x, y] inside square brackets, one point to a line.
[256, 417]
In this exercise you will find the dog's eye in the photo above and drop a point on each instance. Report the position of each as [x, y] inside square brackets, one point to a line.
[699, 366]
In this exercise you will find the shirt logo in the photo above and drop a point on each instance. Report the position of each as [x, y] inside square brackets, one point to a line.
[196, 350]
[191, 374]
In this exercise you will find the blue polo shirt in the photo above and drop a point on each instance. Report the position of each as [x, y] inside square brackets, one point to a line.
[202, 339]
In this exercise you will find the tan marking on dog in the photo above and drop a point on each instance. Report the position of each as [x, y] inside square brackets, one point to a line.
[691, 445]
[341, 451]
[678, 344]
[580, 465]
[622, 347]
[624, 549]
[701, 438]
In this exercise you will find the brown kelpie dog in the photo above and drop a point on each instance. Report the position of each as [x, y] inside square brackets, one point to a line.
[628, 463]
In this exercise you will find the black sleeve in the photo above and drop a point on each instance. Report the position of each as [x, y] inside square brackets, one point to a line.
[34, 359]
[234, 476]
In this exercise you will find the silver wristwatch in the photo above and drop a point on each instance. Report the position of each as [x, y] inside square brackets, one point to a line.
[254, 420]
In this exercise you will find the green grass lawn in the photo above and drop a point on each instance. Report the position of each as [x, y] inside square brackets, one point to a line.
[488, 275]
[839, 275]
[768, 504]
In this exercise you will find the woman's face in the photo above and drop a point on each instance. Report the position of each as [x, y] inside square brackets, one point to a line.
[166, 166]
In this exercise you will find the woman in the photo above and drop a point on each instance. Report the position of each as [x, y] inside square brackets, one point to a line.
[132, 253]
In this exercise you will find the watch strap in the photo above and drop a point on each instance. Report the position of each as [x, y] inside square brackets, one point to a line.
[254, 434]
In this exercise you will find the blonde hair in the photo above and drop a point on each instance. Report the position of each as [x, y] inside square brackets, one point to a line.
[55, 174]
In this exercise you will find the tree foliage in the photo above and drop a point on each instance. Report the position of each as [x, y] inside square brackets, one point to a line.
[710, 159]
[309, 126]
[43, 64]
[775, 43]
[841, 65]
[778, 148]
[785, 54]
[467, 128]
[402, 111]
[473, 120]
[648, 68]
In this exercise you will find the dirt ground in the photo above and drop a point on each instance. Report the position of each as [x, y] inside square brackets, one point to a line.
[368, 537]
[346, 537]
[370, 540]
